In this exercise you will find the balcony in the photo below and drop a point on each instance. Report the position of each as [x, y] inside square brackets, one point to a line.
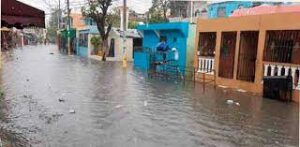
[283, 69]
[206, 65]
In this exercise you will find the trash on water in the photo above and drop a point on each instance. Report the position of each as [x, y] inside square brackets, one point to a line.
[237, 103]
[222, 86]
[241, 90]
[118, 106]
[27, 80]
[72, 111]
[51, 53]
[229, 101]
[61, 99]
[145, 103]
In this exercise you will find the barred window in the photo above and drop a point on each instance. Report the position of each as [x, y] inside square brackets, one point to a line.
[282, 46]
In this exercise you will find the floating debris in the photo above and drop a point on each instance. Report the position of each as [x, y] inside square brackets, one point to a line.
[229, 101]
[222, 86]
[61, 99]
[27, 80]
[241, 90]
[118, 106]
[51, 53]
[237, 103]
[71, 111]
[145, 103]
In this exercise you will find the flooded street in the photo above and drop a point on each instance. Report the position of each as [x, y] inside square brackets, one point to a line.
[116, 107]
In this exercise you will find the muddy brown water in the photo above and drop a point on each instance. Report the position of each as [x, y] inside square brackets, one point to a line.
[116, 107]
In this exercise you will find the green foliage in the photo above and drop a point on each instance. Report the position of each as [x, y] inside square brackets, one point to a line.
[132, 24]
[156, 18]
[158, 11]
[96, 41]
[53, 26]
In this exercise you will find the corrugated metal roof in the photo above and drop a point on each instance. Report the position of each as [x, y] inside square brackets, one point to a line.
[263, 9]
[15, 13]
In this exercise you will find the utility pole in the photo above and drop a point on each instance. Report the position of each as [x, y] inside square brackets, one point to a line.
[68, 28]
[124, 33]
[191, 13]
[59, 15]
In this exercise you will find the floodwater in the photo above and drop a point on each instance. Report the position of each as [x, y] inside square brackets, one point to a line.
[116, 107]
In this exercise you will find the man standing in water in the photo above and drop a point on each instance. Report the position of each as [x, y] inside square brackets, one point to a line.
[163, 47]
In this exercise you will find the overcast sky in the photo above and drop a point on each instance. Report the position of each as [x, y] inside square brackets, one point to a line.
[140, 6]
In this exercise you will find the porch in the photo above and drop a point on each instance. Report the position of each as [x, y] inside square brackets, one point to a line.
[243, 50]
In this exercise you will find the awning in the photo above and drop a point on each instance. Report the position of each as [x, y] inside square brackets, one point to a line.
[17, 14]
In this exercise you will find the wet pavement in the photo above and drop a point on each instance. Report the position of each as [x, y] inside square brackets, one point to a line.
[116, 107]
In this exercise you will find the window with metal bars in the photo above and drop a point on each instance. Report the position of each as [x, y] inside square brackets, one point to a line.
[282, 46]
[227, 53]
[207, 44]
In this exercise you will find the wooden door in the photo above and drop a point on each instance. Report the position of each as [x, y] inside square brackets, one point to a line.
[226, 62]
[247, 56]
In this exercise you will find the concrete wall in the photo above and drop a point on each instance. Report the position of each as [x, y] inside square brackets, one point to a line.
[82, 50]
[176, 34]
[119, 49]
[191, 45]
[261, 23]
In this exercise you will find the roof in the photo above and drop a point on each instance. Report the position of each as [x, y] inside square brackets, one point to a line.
[18, 14]
[130, 33]
[265, 9]
[170, 26]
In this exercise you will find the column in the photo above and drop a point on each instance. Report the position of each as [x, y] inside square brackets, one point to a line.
[293, 75]
[279, 70]
[265, 69]
[272, 70]
[286, 71]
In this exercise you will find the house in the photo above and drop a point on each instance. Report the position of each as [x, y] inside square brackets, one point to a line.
[226, 8]
[62, 40]
[243, 50]
[266, 9]
[179, 35]
[115, 40]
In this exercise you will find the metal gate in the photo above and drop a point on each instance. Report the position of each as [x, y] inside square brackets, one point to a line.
[247, 56]
[226, 65]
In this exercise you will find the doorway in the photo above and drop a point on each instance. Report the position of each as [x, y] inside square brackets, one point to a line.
[247, 56]
[228, 43]
[111, 52]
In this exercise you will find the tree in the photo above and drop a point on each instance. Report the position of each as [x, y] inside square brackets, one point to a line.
[158, 11]
[178, 8]
[132, 24]
[98, 11]
[53, 25]
[165, 5]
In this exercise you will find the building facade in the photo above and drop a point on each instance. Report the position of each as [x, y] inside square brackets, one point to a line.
[244, 50]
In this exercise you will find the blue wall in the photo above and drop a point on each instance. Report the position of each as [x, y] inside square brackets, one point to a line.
[229, 6]
[176, 30]
[82, 50]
